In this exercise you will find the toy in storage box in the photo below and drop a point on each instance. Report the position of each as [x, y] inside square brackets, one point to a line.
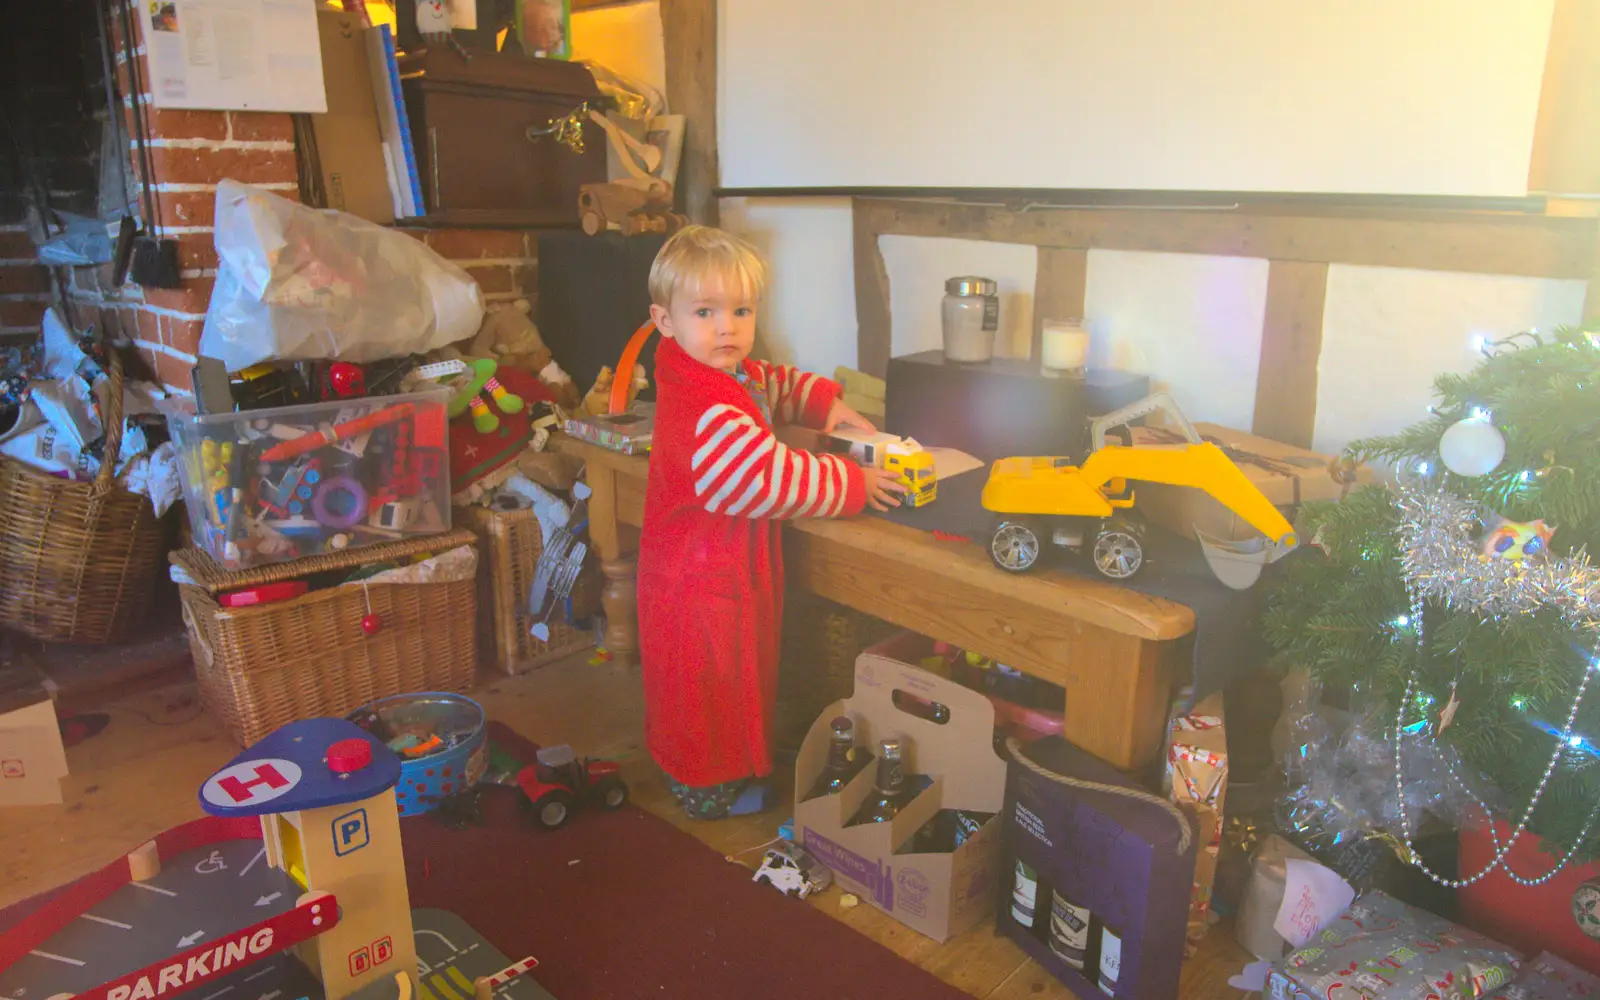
[938, 894]
[266, 486]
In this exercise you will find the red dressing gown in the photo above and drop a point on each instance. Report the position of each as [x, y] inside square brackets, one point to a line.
[710, 559]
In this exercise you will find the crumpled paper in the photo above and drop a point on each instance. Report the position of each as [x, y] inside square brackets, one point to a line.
[447, 567]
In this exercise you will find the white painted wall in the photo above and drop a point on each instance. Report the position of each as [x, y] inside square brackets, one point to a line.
[1357, 96]
[1193, 323]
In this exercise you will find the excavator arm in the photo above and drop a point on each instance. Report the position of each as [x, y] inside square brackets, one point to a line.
[1201, 466]
[1198, 464]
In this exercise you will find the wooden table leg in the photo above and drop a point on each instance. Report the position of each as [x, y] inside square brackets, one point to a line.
[620, 596]
[1119, 709]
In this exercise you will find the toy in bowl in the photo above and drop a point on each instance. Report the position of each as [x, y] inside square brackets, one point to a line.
[441, 740]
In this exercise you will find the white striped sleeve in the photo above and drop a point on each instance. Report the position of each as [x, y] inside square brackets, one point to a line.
[788, 390]
[741, 469]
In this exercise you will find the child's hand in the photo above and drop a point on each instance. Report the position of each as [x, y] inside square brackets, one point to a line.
[883, 488]
[840, 415]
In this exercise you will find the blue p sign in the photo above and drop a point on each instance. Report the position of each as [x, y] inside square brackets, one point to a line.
[350, 832]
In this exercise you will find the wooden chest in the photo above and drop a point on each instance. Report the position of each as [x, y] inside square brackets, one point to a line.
[481, 130]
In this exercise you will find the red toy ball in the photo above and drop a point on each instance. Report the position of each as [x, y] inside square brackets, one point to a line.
[370, 624]
[347, 380]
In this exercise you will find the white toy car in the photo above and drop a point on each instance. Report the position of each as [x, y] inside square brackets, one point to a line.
[792, 871]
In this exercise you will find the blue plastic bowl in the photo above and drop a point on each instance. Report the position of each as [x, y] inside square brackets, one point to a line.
[429, 779]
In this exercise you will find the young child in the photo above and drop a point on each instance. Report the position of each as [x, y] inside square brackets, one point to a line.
[710, 562]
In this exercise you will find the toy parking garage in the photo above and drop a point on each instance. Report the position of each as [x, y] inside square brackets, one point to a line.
[293, 886]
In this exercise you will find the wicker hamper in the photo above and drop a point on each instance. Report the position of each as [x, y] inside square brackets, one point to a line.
[79, 562]
[260, 667]
[817, 665]
[511, 542]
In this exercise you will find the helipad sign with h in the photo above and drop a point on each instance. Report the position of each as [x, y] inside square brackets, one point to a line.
[251, 782]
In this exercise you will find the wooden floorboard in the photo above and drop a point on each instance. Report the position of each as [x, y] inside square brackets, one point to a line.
[140, 775]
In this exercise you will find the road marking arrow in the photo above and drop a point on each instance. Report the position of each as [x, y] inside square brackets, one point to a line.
[264, 900]
[189, 939]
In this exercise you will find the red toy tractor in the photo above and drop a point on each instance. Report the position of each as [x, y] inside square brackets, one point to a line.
[558, 780]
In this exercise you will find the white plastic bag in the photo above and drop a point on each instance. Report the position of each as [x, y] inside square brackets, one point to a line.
[300, 283]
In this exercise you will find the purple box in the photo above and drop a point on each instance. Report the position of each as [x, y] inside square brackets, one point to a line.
[1098, 858]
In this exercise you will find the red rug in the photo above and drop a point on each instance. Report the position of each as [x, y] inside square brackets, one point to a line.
[624, 905]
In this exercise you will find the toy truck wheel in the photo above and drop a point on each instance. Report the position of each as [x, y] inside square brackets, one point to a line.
[611, 793]
[593, 223]
[1015, 546]
[553, 809]
[1118, 549]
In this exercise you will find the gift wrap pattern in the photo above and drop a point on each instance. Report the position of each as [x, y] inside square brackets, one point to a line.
[1382, 949]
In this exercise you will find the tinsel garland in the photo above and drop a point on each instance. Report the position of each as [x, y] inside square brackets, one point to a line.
[1441, 562]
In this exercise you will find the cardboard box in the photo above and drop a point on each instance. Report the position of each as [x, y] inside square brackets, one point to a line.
[32, 758]
[349, 143]
[1287, 475]
[942, 894]
[1197, 776]
[1112, 854]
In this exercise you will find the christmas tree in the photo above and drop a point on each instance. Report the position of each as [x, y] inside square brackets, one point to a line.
[1445, 585]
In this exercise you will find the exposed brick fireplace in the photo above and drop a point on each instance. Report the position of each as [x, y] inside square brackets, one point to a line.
[190, 152]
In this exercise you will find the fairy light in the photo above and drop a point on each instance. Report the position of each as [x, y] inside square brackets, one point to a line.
[1423, 467]
[1479, 413]
[1519, 703]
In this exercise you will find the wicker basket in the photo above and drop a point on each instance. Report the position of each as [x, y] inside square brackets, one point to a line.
[512, 541]
[261, 667]
[79, 562]
[817, 667]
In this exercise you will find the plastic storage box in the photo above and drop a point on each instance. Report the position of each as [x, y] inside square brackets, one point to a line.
[265, 486]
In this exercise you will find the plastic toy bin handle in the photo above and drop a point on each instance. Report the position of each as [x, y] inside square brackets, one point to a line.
[624, 375]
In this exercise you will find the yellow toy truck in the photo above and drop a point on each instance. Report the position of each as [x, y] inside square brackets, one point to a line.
[894, 453]
[1090, 508]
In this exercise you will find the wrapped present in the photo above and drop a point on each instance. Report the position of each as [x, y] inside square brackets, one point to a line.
[1197, 775]
[1382, 949]
[1263, 898]
[1286, 475]
[1550, 978]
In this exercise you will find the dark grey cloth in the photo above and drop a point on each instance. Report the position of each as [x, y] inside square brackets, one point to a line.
[1227, 639]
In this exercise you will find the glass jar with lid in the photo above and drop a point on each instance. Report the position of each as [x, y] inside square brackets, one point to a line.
[971, 316]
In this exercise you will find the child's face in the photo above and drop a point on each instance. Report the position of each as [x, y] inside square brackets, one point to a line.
[715, 324]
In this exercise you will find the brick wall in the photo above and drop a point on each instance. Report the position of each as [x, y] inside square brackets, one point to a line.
[504, 262]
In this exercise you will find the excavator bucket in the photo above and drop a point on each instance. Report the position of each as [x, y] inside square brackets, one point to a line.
[1238, 563]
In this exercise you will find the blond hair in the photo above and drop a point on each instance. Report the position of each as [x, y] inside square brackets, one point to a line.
[698, 255]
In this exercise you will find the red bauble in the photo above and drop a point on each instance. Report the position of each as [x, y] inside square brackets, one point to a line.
[370, 624]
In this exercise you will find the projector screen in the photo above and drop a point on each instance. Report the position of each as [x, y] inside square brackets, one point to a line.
[1371, 97]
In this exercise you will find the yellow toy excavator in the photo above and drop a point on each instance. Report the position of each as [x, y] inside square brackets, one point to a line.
[1090, 508]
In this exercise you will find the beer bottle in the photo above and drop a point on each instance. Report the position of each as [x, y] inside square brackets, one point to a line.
[1069, 931]
[842, 757]
[892, 792]
[1110, 960]
[1025, 895]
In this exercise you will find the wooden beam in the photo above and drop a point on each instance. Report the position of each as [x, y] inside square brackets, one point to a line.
[1060, 278]
[689, 29]
[1291, 343]
[1475, 242]
[873, 322]
[1591, 294]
